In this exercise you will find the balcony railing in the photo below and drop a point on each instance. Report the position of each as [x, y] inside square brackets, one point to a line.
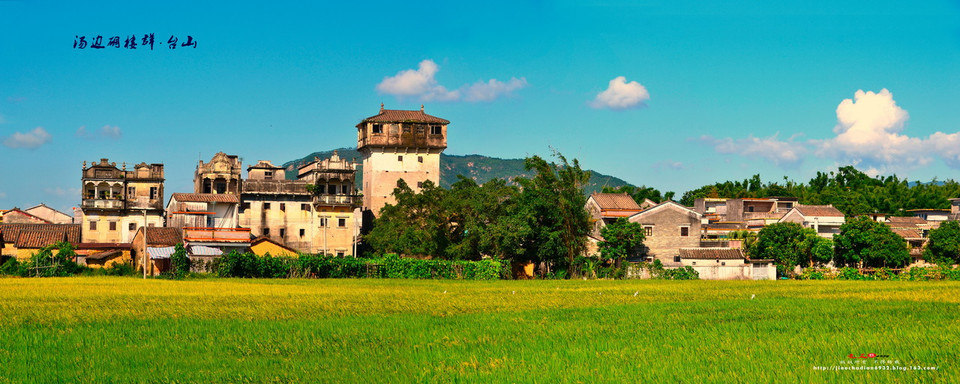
[102, 203]
[337, 199]
[216, 235]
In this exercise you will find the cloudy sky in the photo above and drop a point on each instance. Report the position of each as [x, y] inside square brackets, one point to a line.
[671, 94]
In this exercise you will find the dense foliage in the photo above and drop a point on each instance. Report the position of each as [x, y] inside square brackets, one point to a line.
[249, 265]
[863, 242]
[851, 191]
[790, 244]
[944, 244]
[539, 219]
[641, 193]
[621, 240]
[179, 262]
[50, 261]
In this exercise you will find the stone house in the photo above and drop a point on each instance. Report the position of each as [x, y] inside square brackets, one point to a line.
[825, 219]
[668, 227]
[605, 208]
[49, 214]
[274, 207]
[208, 221]
[18, 216]
[24, 240]
[726, 264]
[219, 176]
[159, 247]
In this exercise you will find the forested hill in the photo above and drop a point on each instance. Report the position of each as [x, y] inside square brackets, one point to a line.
[477, 167]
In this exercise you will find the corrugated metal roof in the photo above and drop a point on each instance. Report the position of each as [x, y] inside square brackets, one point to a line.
[205, 197]
[157, 253]
[399, 116]
[711, 253]
[202, 250]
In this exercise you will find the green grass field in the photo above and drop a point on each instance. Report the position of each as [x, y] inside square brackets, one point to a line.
[103, 329]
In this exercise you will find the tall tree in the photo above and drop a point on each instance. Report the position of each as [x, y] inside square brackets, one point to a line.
[621, 239]
[944, 244]
[863, 242]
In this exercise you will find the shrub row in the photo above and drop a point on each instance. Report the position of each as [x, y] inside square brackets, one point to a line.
[324, 266]
[912, 274]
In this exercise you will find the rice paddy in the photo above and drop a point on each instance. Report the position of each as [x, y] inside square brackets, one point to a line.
[121, 329]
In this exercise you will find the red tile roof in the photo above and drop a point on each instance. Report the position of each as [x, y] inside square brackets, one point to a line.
[907, 233]
[398, 116]
[819, 210]
[911, 221]
[205, 198]
[615, 201]
[711, 253]
[39, 239]
[161, 237]
[10, 233]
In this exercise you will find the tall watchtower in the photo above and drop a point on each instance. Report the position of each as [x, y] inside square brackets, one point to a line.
[399, 145]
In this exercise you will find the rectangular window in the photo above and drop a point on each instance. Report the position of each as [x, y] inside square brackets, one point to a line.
[419, 159]
[342, 223]
[406, 128]
[684, 231]
[648, 230]
[399, 158]
[266, 206]
[283, 232]
[420, 129]
[323, 221]
[283, 207]
[131, 192]
[268, 175]
[303, 232]
[93, 225]
[132, 226]
[419, 184]
[245, 206]
[436, 130]
[266, 231]
[341, 253]
[332, 189]
[377, 129]
[153, 193]
[113, 225]
[305, 207]
[676, 259]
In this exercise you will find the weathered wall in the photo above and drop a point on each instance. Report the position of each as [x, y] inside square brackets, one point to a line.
[383, 168]
[666, 240]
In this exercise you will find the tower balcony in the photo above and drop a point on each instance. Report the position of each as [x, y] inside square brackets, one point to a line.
[102, 203]
[337, 200]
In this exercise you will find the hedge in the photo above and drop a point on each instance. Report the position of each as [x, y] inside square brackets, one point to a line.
[249, 265]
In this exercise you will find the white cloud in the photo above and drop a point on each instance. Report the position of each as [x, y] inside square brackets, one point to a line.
[491, 90]
[30, 140]
[113, 132]
[787, 154]
[421, 83]
[622, 95]
[868, 135]
[669, 164]
[107, 131]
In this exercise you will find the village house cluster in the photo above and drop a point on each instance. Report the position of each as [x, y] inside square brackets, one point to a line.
[316, 208]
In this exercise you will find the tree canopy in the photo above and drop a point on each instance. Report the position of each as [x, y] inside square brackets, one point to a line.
[944, 244]
[863, 242]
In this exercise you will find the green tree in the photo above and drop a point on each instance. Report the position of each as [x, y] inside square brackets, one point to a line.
[551, 203]
[944, 244]
[782, 242]
[863, 242]
[179, 262]
[621, 239]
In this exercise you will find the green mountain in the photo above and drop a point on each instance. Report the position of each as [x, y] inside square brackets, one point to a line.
[477, 167]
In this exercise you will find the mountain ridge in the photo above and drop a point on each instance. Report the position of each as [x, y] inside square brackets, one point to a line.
[478, 167]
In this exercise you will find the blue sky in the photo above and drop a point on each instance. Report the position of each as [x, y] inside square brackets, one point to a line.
[701, 91]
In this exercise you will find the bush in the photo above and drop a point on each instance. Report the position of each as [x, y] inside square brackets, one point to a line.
[657, 271]
[249, 265]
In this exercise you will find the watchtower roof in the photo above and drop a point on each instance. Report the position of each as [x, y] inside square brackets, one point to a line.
[401, 116]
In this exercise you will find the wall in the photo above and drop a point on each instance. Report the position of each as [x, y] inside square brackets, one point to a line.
[665, 242]
[382, 170]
